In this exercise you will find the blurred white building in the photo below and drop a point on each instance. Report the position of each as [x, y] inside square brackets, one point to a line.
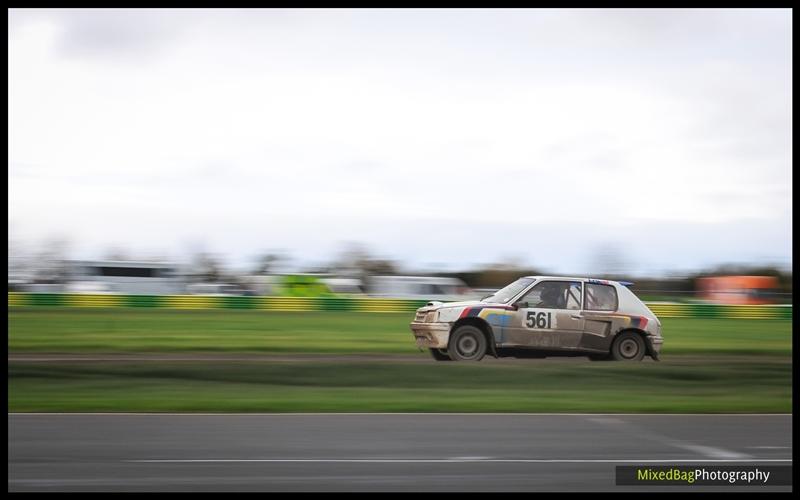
[126, 277]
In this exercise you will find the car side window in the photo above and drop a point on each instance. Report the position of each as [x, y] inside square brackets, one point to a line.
[601, 297]
[554, 295]
[574, 295]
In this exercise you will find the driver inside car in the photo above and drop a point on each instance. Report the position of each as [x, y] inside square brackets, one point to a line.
[552, 297]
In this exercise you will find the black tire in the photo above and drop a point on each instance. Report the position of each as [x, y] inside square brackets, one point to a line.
[628, 346]
[467, 343]
[440, 355]
[600, 357]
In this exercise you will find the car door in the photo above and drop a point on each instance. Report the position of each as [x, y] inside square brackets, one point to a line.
[600, 304]
[549, 316]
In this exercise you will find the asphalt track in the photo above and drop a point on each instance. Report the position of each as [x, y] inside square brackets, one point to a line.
[376, 452]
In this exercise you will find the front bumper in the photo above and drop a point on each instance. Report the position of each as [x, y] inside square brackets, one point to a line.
[431, 335]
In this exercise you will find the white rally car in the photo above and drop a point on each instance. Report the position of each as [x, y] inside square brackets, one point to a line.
[599, 318]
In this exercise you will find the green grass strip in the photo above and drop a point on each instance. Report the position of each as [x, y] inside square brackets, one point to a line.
[241, 330]
[719, 384]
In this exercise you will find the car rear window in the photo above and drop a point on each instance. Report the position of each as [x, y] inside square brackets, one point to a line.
[601, 297]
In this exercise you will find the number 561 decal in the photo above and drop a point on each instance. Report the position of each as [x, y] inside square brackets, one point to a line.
[540, 320]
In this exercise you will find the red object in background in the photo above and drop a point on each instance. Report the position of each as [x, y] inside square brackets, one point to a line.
[747, 290]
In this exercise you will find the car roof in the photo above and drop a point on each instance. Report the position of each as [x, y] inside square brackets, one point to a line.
[572, 278]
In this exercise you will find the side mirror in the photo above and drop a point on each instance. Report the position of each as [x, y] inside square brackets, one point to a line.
[520, 305]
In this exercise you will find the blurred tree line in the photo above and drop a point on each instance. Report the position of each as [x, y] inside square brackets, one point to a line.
[685, 284]
[49, 264]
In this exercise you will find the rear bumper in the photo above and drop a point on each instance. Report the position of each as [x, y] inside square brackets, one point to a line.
[431, 335]
[654, 346]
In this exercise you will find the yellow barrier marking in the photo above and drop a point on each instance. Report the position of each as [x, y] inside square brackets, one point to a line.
[16, 299]
[191, 302]
[382, 305]
[751, 312]
[290, 304]
[92, 300]
[669, 310]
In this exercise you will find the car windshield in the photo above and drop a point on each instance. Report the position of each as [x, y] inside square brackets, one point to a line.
[509, 292]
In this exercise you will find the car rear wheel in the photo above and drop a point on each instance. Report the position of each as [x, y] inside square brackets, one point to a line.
[467, 343]
[628, 346]
[440, 355]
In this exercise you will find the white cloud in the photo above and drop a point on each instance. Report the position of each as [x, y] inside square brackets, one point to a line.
[301, 129]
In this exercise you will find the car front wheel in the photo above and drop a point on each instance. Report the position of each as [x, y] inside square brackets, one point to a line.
[628, 346]
[467, 343]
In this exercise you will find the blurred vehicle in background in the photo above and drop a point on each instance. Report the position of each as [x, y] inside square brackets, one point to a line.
[262, 284]
[125, 277]
[41, 288]
[290, 285]
[325, 285]
[344, 286]
[19, 282]
[88, 287]
[744, 290]
[418, 287]
[216, 289]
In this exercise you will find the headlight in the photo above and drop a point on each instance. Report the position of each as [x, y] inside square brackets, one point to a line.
[431, 317]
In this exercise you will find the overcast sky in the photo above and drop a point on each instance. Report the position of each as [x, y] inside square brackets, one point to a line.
[440, 138]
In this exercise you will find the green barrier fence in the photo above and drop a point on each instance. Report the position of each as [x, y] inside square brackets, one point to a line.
[358, 304]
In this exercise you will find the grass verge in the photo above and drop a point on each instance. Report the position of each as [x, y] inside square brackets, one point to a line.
[722, 384]
[153, 330]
